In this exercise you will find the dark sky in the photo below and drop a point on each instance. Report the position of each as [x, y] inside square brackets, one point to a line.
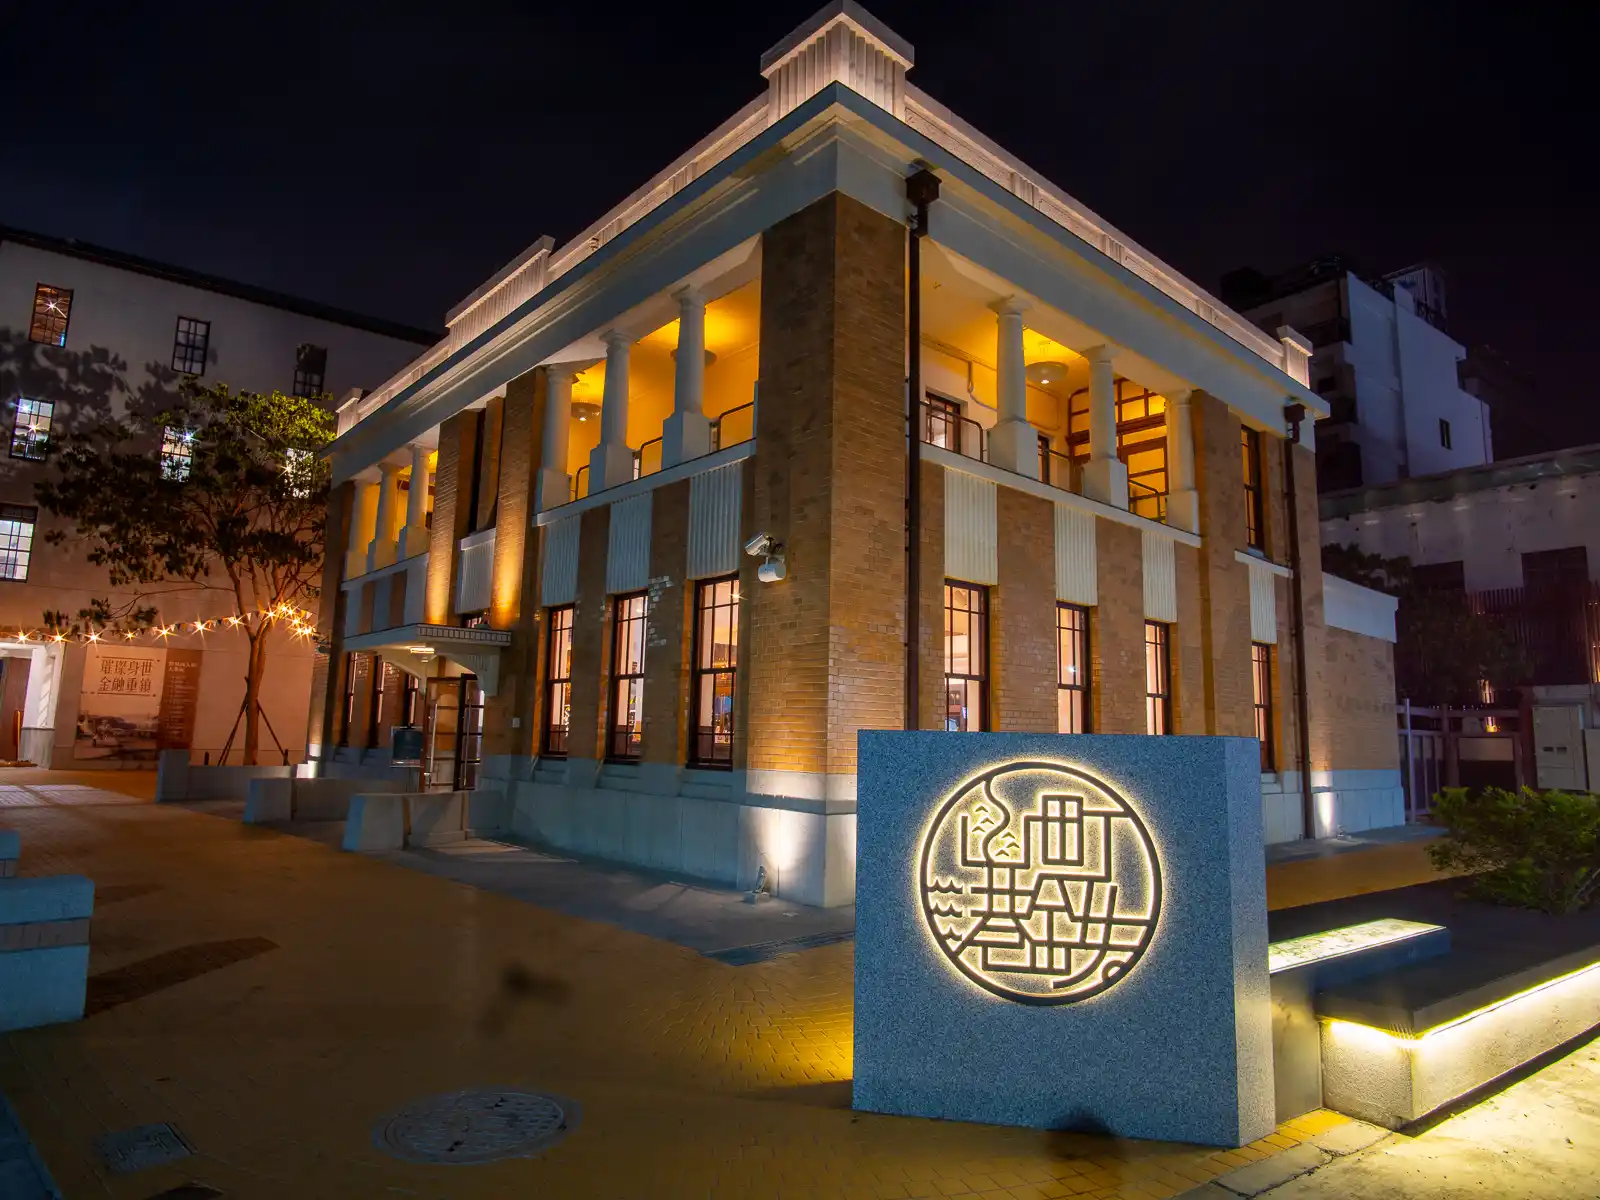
[388, 163]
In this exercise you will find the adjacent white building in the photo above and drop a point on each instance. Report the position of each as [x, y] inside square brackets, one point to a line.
[83, 329]
[1384, 363]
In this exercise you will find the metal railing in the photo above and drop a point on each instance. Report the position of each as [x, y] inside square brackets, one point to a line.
[647, 458]
[1145, 501]
[953, 432]
[580, 483]
[736, 425]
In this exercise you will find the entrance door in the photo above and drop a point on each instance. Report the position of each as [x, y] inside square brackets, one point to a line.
[452, 735]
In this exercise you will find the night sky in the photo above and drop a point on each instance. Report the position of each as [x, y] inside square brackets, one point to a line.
[388, 163]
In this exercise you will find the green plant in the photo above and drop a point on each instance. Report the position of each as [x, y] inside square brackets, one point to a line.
[1530, 849]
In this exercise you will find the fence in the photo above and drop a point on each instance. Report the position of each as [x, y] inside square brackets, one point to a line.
[1457, 747]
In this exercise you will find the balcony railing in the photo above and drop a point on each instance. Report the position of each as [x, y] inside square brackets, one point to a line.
[1145, 501]
[732, 427]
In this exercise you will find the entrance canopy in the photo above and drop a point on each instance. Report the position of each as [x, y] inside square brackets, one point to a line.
[412, 649]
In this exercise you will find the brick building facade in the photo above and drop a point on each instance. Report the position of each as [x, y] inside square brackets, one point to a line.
[662, 592]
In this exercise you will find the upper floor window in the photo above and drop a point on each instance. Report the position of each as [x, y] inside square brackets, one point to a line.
[1141, 442]
[558, 683]
[310, 370]
[52, 307]
[17, 523]
[966, 657]
[1255, 531]
[177, 452]
[1261, 690]
[627, 677]
[1157, 677]
[30, 428]
[942, 423]
[189, 346]
[1444, 433]
[716, 665]
[1072, 668]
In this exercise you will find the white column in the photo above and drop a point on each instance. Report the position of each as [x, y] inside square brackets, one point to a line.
[1013, 442]
[1104, 477]
[555, 485]
[381, 552]
[363, 520]
[611, 462]
[1183, 498]
[687, 433]
[414, 537]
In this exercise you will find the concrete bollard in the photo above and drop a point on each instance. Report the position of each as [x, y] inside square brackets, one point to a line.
[44, 949]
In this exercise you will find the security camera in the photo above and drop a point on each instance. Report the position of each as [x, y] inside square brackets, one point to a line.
[762, 544]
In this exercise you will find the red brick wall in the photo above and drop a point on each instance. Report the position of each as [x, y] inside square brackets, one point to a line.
[514, 595]
[1116, 633]
[1023, 616]
[591, 630]
[666, 656]
[1357, 687]
[321, 729]
[1224, 582]
[930, 609]
[450, 512]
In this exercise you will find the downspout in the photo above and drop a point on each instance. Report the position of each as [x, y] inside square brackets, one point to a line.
[922, 189]
[1295, 413]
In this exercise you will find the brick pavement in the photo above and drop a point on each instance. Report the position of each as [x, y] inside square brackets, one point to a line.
[273, 998]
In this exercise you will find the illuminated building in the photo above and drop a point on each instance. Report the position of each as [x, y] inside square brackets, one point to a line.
[83, 330]
[666, 577]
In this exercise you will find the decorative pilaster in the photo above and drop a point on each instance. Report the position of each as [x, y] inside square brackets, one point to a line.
[1013, 442]
[555, 485]
[686, 433]
[611, 462]
[1105, 478]
[1183, 500]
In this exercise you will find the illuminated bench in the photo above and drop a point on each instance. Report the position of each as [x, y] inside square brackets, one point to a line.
[1398, 1046]
[1302, 967]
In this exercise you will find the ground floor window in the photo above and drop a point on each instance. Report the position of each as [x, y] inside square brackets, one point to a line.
[1261, 681]
[558, 683]
[1157, 677]
[627, 678]
[1072, 668]
[410, 702]
[966, 657]
[356, 669]
[716, 663]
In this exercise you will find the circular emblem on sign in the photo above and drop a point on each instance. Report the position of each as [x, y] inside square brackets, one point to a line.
[1040, 883]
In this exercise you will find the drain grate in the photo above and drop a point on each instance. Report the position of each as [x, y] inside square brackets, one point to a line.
[142, 1147]
[477, 1126]
[760, 952]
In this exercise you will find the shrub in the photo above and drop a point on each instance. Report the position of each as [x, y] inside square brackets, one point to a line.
[1529, 849]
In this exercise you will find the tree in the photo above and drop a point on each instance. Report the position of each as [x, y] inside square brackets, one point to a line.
[218, 490]
[1444, 651]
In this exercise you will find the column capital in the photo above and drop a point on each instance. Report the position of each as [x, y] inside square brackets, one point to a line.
[391, 469]
[1179, 396]
[615, 339]
[690, 295]
[1101, 354]
[1010, 306]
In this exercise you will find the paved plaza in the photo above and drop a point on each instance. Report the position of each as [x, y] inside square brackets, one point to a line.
[273, 999]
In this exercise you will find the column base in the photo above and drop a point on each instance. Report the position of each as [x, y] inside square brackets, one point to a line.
[414, 540]
[381, 554]
[610, 465]
[1106, 480]
[1014, 445]
[554, 488]
[1183, 510]
[684, 436]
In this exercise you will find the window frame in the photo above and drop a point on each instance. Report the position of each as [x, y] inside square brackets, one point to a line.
[177, 451]
[183, 349]
[977, 647]
[304, 375]
[629, 737]
[948, 414]
[16, 546]
[35, 447]
[1255, 515]
[558, 624]
[1158, 675]
[1261, 703]
[700, 671]
[43, 320]
[1444, 433]
[1084, 687]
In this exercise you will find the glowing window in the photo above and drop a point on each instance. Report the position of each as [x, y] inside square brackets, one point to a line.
[1261, 685]
[17, 523]
[30, 429]
[942, 423]
[627, 677]
[558, 683]
[189, 346]
[1157, 677]
[310, 370]
[716, 665]
[1072, 668]
[177, 452]
[52, 307]
[966, 657]
[1255, 533]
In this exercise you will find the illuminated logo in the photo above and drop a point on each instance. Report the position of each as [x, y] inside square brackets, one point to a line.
[1040, 883]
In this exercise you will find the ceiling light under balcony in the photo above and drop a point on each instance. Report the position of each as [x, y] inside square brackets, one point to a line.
[585, 411]
[710, 356]
[1047, 374]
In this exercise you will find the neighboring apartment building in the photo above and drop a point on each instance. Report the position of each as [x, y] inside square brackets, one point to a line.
[1519, 541]
[83, 330]
[663, 581]
[1382, 362]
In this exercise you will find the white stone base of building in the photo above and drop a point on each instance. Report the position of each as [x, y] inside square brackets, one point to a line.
[1344, 802]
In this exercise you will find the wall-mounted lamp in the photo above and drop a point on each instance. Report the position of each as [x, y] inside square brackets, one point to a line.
[763, 545]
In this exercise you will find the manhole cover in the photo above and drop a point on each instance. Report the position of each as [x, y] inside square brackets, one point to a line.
[476, 1126]
[142, 1147]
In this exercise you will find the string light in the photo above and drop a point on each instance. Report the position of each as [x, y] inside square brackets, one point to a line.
[299, 623]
